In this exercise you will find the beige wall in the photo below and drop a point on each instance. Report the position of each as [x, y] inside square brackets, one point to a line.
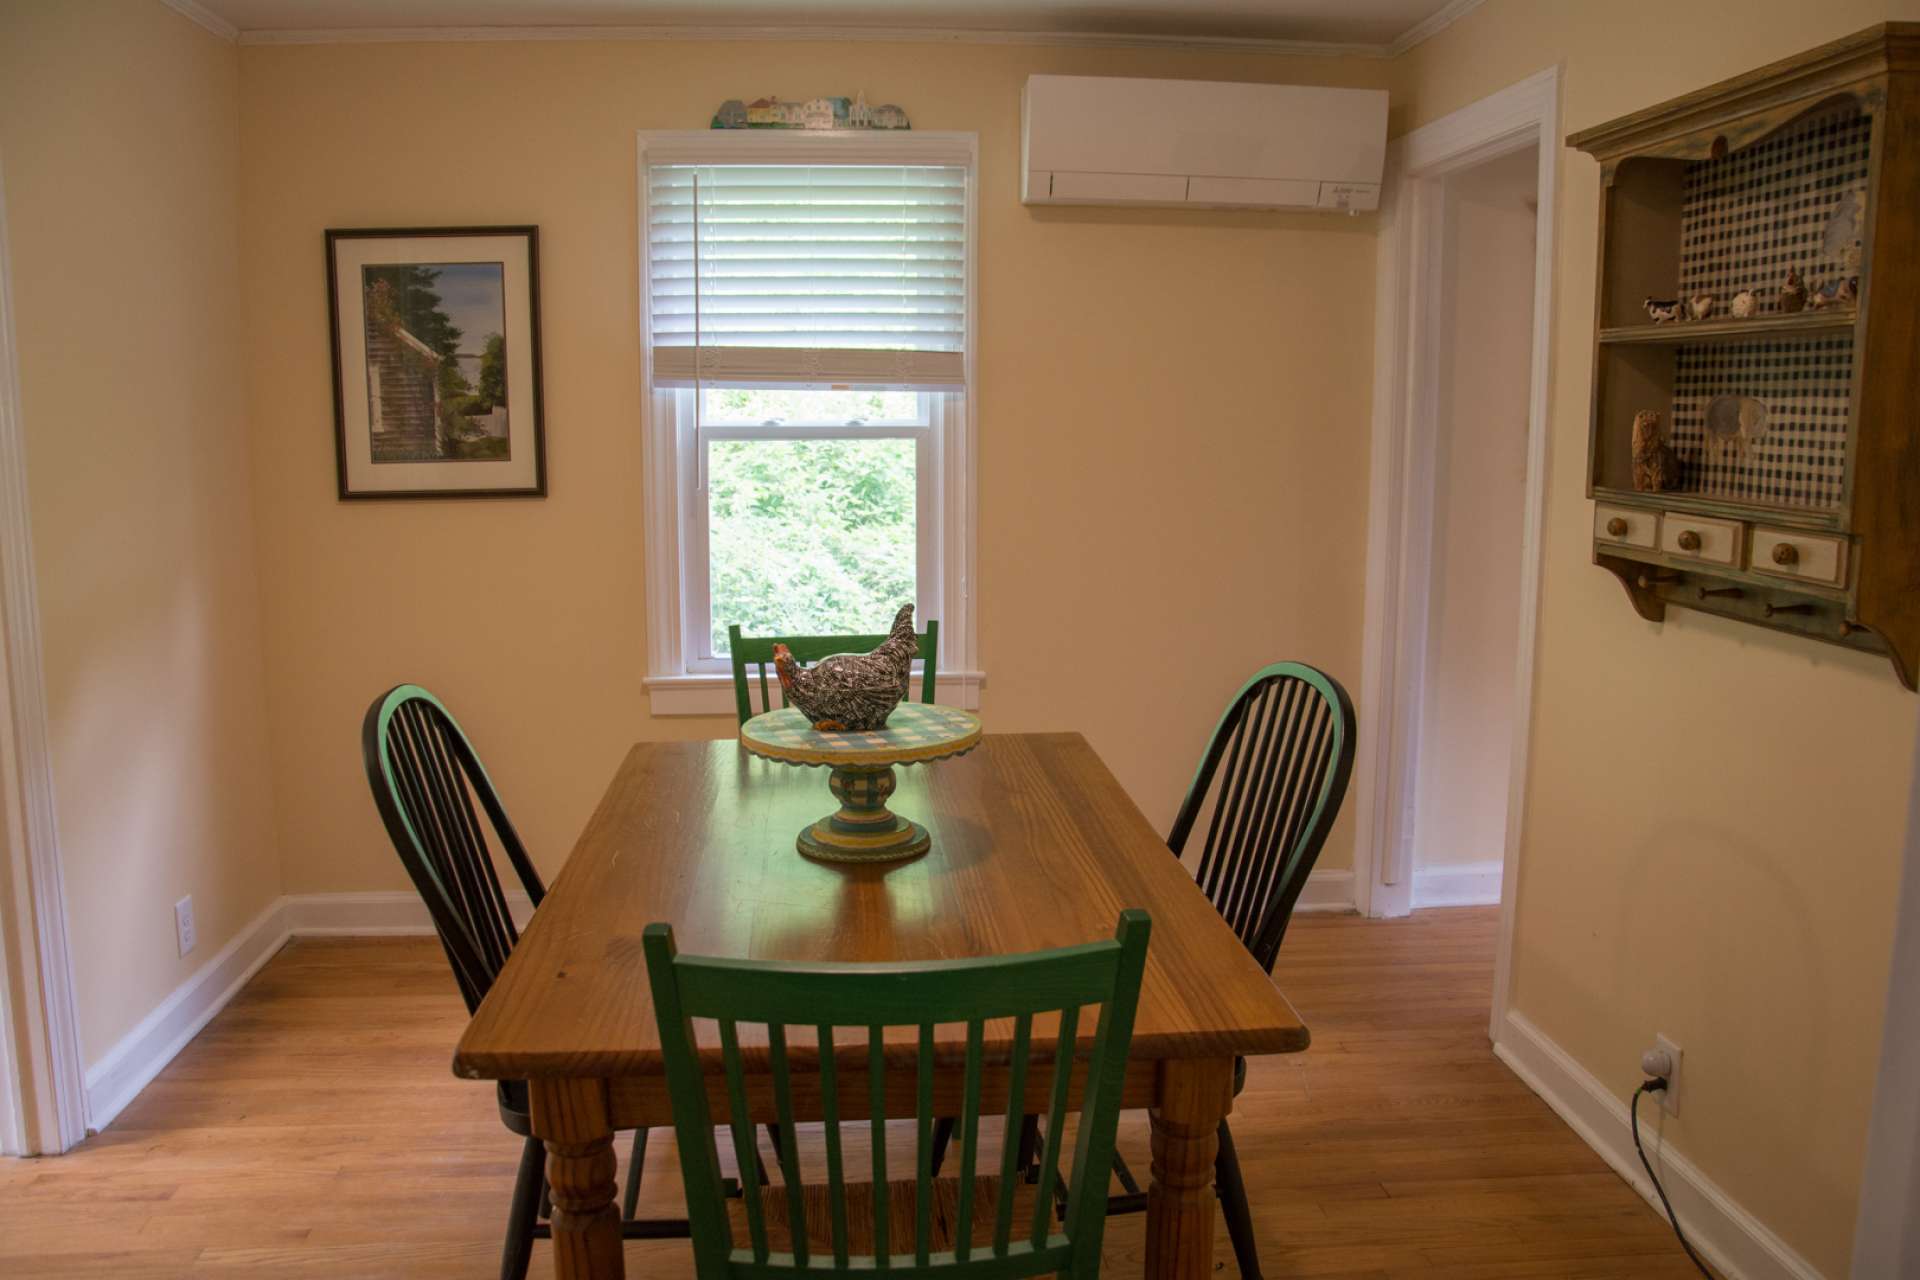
[1715, 813]
[1466, 728]
[1149, 530]
[122, 229]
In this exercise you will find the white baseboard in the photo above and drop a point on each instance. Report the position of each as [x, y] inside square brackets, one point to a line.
[1466, 884]
[132, 1063]
[398, 913]
[1330, 890]
[1727, 1235]
[124, 1070]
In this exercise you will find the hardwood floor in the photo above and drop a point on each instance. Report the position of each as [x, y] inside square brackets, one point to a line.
[1396, 1146]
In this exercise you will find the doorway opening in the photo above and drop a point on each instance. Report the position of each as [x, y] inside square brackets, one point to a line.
[1456, 505]
[1462, 768]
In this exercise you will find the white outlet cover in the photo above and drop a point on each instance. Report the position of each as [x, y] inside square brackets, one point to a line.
[1670, 1096]
[183, 923]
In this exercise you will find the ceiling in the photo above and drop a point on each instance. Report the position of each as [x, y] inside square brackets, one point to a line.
[1348, 22]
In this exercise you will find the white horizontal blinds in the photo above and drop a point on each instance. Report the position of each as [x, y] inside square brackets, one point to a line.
[808, 275]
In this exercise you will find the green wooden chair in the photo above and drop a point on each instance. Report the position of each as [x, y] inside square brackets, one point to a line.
[863, 1000]
[757, 651]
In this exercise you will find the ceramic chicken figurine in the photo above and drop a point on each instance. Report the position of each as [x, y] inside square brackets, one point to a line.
[1700, 305]
[1793, 294]
[852, 691]
[1744, 304]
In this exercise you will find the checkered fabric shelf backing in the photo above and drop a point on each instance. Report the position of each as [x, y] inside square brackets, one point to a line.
[1801, 460]
[1745, 221]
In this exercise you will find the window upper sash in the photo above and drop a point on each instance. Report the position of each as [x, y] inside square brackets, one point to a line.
[808, 274]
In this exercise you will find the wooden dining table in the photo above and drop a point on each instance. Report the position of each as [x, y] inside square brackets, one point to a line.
[1034, 845]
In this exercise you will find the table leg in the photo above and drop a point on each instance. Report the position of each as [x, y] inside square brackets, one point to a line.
[570, 1116]
[1192, 1097]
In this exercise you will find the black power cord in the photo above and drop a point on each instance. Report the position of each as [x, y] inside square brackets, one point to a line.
[1655, 1085]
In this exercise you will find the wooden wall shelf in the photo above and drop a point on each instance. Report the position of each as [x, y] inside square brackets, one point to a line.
[1804, 518]
[1802, 324]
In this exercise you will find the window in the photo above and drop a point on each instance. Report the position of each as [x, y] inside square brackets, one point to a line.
[806, 315]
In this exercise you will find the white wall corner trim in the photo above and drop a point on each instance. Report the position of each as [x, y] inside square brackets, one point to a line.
[42, 1048]
[1424, 30]
[130, 1065]
[204, 17]
[1886, 1237]
[1470, 884]
[1738, 1244]
[864, 34]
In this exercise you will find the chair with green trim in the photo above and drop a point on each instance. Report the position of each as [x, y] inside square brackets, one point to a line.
[921, 1227]
[426, 780]
[757, 652]
[1270, 784]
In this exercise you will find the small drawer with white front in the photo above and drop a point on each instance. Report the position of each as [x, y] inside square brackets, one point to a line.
[1700, 538]
[1627, 526]
[1808, 557]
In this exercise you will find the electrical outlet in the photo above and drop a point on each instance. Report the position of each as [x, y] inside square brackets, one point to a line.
[183, 923]
[1663, 1058]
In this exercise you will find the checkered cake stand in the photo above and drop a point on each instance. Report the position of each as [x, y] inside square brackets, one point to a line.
[863, 829]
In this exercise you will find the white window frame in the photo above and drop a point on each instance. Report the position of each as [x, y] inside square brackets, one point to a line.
[682, 679]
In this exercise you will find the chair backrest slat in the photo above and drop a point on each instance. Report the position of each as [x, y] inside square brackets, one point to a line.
[1056, 1115]
[830, 1121]
[740, 1124]
[877, 1117]
[757, 652]
[426, 780]
[789, 1148]
[970, 1140]
[1271, 780]
[921, 996]
[1011, 1132]
[923, 1177]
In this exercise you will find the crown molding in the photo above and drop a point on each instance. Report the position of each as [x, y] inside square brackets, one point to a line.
[818, 34]
[205, 18]
[1425, 30]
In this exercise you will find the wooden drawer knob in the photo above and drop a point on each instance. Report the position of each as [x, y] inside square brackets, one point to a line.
[1785, 553]
[1689, 540]
[1617, 527]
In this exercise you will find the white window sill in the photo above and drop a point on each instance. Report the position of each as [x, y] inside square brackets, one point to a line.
[712, 695]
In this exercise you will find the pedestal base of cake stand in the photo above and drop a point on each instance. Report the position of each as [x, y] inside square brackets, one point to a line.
[863, 829]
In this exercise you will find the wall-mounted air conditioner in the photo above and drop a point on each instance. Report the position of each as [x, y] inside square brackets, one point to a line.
[1200, 143]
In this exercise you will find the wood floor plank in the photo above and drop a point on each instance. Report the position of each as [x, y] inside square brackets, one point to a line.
[1396, 1146]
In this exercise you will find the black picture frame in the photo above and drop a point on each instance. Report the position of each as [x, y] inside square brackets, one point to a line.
[351, 419]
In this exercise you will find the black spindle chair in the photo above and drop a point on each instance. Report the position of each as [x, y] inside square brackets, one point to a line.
[1270, 784]
[425, 779]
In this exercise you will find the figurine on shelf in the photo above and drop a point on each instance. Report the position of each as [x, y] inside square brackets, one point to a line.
[1841, 291]
[1744, 304]
[1700, 306]
[1662, 310]
[1656, 467]
[852, 691]
[1793, 294]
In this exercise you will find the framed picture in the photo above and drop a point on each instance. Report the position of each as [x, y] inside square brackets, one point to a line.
[436, 362]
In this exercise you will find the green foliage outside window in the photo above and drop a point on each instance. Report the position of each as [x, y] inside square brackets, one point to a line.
[809, 537]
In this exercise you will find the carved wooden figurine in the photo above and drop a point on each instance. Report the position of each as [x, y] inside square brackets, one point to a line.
[1700, 306]
[1656, 467]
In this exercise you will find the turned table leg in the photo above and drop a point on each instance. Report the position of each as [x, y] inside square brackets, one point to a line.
[1192, 1097]
[570, 1116]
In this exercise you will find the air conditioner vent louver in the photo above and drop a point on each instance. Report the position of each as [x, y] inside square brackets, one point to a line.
[1201, 144]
